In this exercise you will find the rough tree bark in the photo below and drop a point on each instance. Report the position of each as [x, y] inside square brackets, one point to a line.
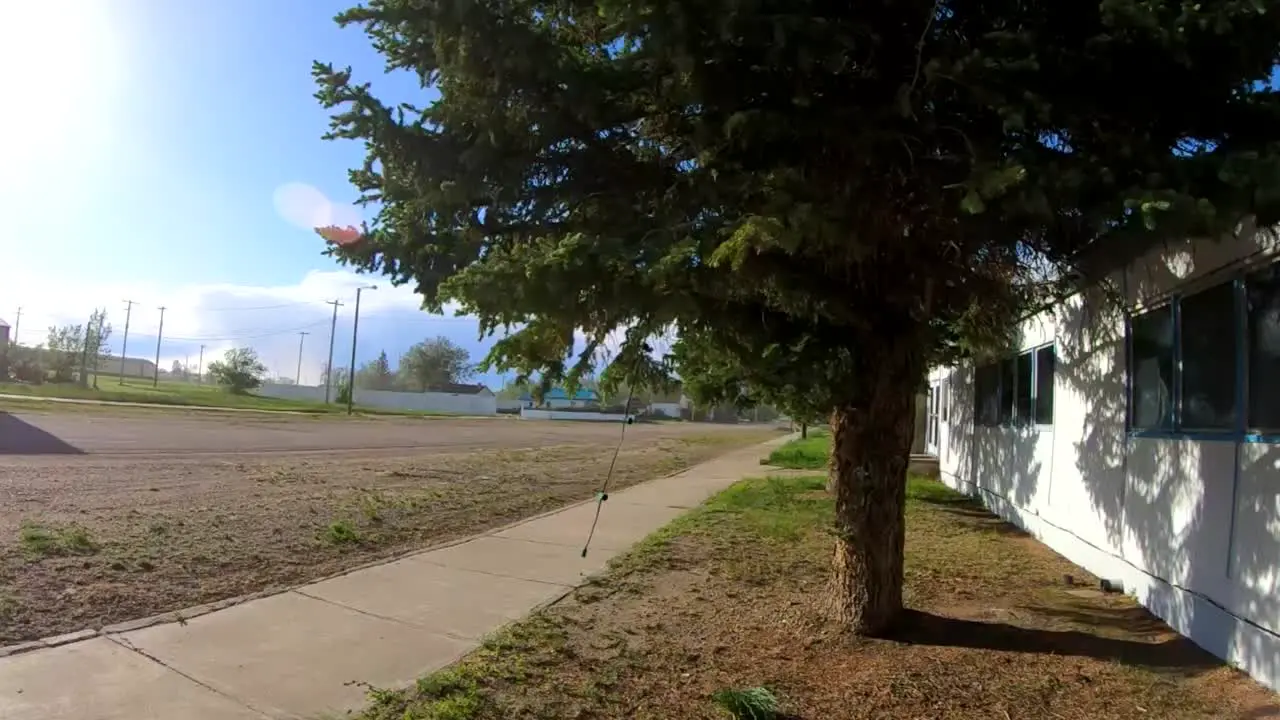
[870, 450]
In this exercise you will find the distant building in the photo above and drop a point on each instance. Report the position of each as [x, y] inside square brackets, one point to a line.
[558, 398]
[133, 367]
[4, 335]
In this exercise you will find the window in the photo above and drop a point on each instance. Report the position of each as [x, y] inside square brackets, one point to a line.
[1208, 367]
[1007, 375]
[1015, 390]
[1024, 388]
[1046, 358]
[986, 385]
[946, 399]
[1262, 297]
[1151, 370]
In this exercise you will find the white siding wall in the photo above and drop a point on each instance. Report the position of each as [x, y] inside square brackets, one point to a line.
[1191, 526]
[527, 414]
[307, 393]
[428, 401]
[667, 409]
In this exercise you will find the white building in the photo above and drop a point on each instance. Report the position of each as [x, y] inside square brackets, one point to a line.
[1137, 433]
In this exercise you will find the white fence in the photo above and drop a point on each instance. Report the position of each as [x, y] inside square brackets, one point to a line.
[391, 400]
[429, 402]
[306, 393]
[671, 410]
[527, 414]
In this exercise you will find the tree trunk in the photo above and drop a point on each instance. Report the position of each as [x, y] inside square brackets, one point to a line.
[870, 450]
[804, 431]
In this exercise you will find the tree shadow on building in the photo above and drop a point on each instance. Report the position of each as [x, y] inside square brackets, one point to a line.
[1001, 463]
[1163, 505]
[18, 437]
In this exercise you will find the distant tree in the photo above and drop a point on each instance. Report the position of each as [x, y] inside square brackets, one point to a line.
[66, 347]
[176, 369]
[376, 374]
[434, 362]
[513, 390]
[239, 370]
[333, 378]
[28, 369]
[97, 354]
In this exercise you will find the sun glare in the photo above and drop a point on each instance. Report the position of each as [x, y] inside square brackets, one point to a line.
[63, 68]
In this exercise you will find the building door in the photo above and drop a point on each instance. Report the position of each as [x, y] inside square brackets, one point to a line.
[931, 420]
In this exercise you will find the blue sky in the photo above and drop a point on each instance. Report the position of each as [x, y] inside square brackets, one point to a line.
[170, 153]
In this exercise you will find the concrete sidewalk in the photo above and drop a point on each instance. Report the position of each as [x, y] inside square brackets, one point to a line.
[296, 654]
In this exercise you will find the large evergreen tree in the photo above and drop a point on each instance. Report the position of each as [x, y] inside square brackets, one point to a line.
[823, 197]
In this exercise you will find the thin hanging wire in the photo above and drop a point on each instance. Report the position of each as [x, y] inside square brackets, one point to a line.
[604, 488]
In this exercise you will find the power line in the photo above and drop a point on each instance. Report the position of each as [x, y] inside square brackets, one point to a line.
[253, 336]
[263, 307]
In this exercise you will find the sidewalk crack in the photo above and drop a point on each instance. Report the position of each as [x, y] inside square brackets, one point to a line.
[398, 621]
[124, 642]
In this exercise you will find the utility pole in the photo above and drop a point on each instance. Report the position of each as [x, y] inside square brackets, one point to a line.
[200, 367]
[124, 348]
[97, 348]
[302, 337]
[155, 380]
[333, 327]
[16, 322]
[355, 329]
[84, 353]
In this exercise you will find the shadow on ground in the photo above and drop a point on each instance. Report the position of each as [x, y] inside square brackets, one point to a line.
[921, 628]
[18, 437]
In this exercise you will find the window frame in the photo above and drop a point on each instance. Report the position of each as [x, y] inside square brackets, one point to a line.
[1240, 431]
[996, 366]
[1253, 433]
[1175, 386]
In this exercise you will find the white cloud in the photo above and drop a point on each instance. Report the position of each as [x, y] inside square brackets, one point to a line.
[223, 316]
[266, 318]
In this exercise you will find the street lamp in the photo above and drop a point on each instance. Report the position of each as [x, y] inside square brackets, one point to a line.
[355, 330]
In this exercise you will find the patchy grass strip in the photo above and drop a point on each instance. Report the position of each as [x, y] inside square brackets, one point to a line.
[40, 540]
[811, 453]
[720, 614]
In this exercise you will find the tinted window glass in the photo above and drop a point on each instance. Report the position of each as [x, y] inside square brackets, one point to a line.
[1263, 297]
[1023, 387]
[1045, 361]
[1209, 359]
[1151, 369]
[1006, 391]
[986, 395]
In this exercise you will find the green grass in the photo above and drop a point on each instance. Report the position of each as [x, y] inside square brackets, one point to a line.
[341, 532]
[756, 703]
[810, 453]
[167, 392]
[177, 393]
[776, 511]
[39, 540]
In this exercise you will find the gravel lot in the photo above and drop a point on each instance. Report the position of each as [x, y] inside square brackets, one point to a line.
[109, 515]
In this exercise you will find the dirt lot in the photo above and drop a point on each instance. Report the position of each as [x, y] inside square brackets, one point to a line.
[118, 528]
[730, 598]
